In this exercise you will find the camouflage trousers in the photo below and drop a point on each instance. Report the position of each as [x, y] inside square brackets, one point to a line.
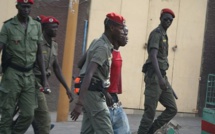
[153, 95]
[42, 119]
[96, 115]
[17, 89]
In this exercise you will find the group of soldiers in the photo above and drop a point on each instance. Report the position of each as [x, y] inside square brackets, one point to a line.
[100, 74]
[29, 51]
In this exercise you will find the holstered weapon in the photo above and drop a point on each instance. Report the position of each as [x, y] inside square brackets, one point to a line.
[77, 85]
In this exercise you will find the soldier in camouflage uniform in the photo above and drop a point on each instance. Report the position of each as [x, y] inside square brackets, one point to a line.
[42, 119]
[157, 87]
[95, 70]
[20, 40]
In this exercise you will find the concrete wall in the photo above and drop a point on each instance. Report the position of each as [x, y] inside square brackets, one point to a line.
[8, 10]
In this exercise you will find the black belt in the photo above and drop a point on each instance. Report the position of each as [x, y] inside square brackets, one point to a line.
[151, 71]
[96, 86]
[20, 68]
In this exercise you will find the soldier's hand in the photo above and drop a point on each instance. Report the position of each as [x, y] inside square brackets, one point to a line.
[45, 90]
[109, 99]
[76, 111]
[163, 84]
[69, 94]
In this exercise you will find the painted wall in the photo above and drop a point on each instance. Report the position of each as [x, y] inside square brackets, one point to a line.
[8, 10]
[186, 32]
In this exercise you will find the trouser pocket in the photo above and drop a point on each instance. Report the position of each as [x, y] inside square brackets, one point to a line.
[4, 99]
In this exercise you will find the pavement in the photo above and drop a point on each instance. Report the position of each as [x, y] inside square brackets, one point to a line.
[188, 122]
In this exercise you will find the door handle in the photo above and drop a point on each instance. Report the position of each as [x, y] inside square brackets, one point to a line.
[145, 46]
[174, 48]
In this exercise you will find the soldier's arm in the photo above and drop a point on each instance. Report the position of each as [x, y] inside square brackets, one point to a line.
[40, 61]
[3, 37]
[82, 61]
[1, 46]
[91, 69]
[58, 72]
[153, 56]
[83, 58]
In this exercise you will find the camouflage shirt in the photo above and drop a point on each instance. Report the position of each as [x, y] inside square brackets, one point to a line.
[21, 44]
[50, 52]
[158, 40]
[100, 53]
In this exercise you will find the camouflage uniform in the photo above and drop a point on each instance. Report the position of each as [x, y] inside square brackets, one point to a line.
[18, 80]
[96, 116]
[153, 93]
[42, 117]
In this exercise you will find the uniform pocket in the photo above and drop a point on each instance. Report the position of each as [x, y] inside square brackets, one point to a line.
[15, 40]
[33, 43]
[34, 38]
[4, 96]
[152, 87]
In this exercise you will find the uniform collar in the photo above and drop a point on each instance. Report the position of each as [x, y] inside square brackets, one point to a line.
[162, 29]
[30, 21]
[109, 44]
[46, 43]
[18, 26]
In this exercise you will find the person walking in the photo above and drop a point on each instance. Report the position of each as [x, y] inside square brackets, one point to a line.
[42, 119]
[118, 117]
[95, 74]
[157, 87]
[20, 40]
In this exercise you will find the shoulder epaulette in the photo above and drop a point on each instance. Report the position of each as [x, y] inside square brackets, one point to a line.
[8, 20]
[158, 30]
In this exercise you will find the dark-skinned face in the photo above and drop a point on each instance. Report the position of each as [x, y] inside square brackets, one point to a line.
[117, 32]
[166, 20]
[24, 9]
[51, 29]
[124, 38]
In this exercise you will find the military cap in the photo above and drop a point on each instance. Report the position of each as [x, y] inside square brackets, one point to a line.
[26, 1]
[40, 17]
[49, 19]
[169, 11]
[116, 18]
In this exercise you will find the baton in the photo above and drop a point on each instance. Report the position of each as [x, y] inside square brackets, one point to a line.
[175, 95]
[14, 114]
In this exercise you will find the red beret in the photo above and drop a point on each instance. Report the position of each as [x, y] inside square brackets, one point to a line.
[116, 18]
[26, 1]
[49, 19]
[167, 10]
[41, 17]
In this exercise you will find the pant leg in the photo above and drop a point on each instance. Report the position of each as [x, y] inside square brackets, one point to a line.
[86, 127]
[98, 113]
[10, 90]
[27, 105]
[152, 93]
[119, 121]
[7, 110]
[168, 101]
[42, 119]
